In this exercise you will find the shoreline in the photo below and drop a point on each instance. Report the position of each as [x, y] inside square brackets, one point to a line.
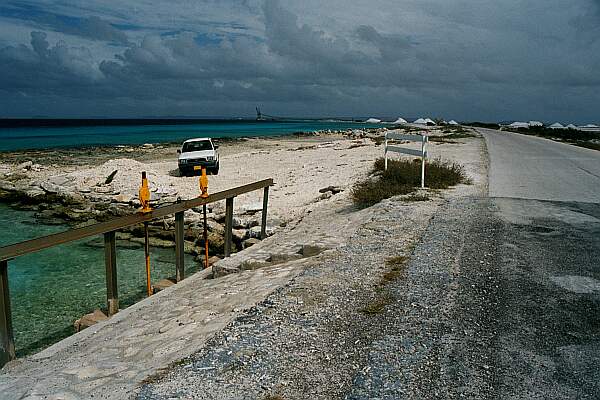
[41, 181]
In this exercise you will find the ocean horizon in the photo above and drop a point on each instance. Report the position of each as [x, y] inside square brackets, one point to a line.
[148, 131]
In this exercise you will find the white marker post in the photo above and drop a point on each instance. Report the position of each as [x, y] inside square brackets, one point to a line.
[411, 138]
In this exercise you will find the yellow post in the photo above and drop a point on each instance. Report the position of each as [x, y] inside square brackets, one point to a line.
[145, 194]
[203, 182]
[145, 202]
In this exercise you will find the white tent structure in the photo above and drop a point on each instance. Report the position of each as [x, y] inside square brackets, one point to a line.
[571, 126]
[535, 123]
[452, 122]
[373, 121]
[400, 121]
[430, 121]
[517, 125]
[556, 125]
[420, 121]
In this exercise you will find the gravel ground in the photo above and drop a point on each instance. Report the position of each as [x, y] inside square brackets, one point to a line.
[312, 337]
[439, 339]
[493, 304]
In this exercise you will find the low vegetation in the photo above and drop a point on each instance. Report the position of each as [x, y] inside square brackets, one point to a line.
[378, 305]
[396, 266]
[590, 140]
[404, 177]
[451, 136]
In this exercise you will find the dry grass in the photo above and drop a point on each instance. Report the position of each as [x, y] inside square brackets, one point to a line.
[451, 136]
[396, 268]
[378, 305]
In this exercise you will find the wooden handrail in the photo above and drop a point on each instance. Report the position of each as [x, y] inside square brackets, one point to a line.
[30, 246]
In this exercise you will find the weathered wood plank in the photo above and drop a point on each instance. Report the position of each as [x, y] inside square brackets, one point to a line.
[263, 226]
[110, 261]
[228, 225]
[179, 247]
[401, 136]
[7, 342]
[403, 150]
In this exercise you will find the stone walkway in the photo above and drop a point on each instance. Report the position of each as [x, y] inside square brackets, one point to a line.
[110, 359]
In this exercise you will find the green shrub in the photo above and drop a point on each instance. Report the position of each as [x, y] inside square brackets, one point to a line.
[404, 177]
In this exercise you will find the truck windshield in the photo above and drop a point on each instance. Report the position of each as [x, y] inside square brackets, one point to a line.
[196, 146]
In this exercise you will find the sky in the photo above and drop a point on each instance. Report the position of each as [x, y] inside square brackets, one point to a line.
[467, 60]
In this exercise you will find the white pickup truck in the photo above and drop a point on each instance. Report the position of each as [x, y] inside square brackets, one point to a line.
[198, 152]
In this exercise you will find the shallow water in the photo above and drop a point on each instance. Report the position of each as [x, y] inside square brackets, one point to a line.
[52, 288]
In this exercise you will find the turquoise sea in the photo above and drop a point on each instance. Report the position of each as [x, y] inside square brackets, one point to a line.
[50, 289]
[52, 137]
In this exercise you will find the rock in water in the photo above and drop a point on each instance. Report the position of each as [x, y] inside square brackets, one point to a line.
[163, 284]
[250, 242]
[89, 319]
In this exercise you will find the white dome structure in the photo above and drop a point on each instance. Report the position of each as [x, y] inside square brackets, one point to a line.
[400, 121]
[429, 121]
[420, 121]
[571, 126]
[453, 122]
[373, 121]
[556, 125]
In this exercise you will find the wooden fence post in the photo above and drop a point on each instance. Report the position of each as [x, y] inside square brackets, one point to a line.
[110, 260]
[228, 225]
[263, 227]
[179, 247]
[7, 341]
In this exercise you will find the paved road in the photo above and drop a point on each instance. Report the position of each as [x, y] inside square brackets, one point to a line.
[502, 299]
[529, 167]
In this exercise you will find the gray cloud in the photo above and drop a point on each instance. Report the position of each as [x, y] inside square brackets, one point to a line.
[486, 62]
[96, 28]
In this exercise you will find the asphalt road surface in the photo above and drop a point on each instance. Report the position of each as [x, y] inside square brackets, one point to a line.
[502, 300]
[528, 167]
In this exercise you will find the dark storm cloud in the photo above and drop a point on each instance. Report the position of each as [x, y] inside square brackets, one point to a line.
[490, 60]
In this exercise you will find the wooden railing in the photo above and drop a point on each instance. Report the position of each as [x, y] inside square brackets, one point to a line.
[109, 229]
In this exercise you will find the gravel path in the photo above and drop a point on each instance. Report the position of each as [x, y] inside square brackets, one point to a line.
[312, 337]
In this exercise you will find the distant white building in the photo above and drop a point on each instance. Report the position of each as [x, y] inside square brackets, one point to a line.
[429, 121]
[517, 125]
[556, 125]
[373, 121]
[589, 128]
[400, 121]
[535, 123]
[571, 126]
[420, 121]
[452, 122]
